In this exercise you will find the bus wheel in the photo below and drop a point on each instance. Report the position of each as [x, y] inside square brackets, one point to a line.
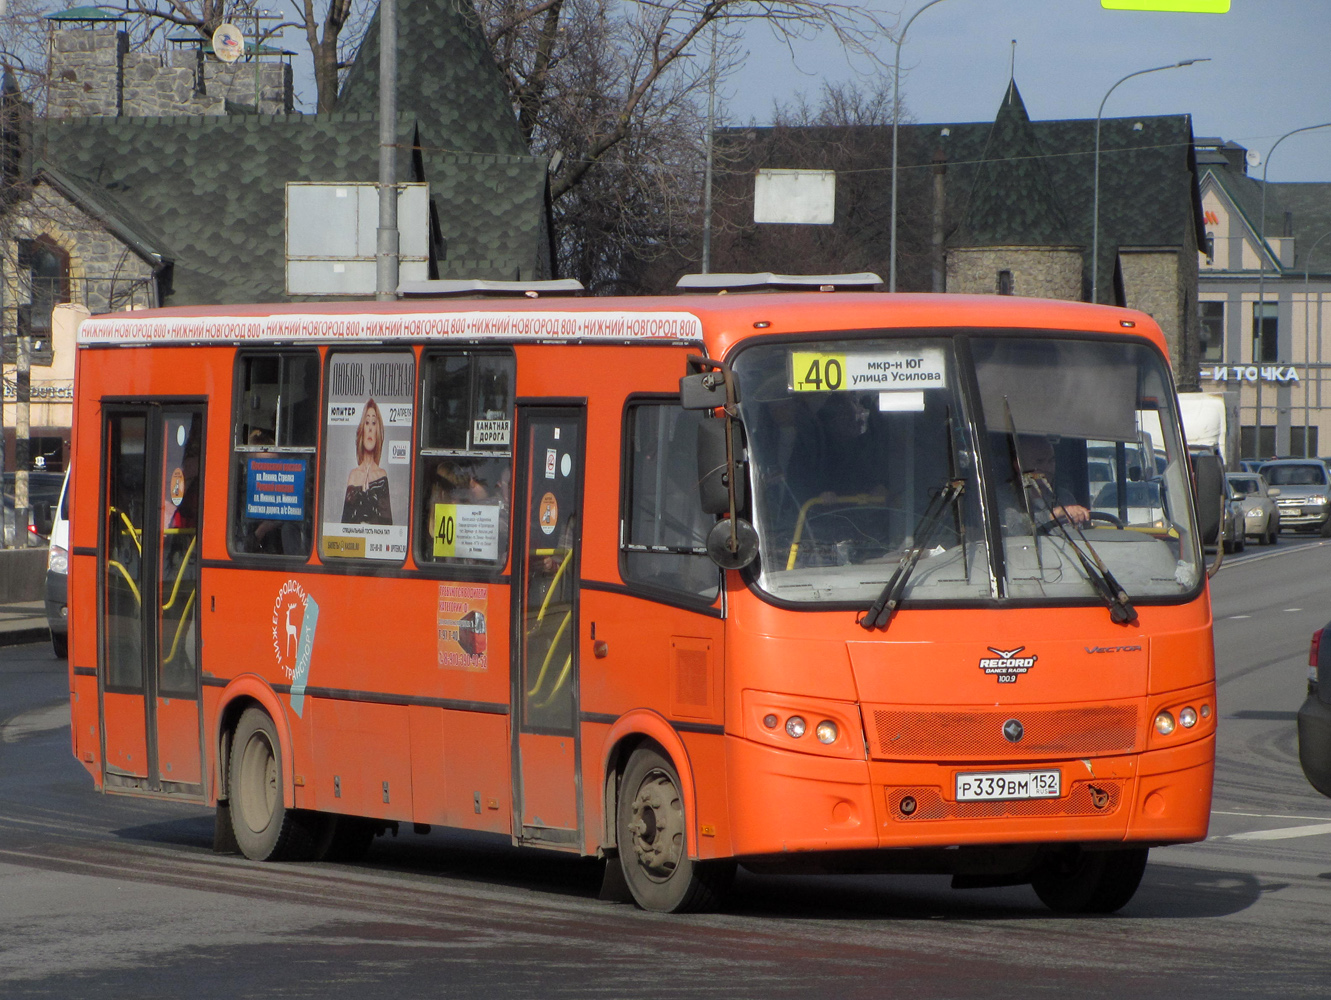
[1079, 881]
[265, 829]
[650, 829]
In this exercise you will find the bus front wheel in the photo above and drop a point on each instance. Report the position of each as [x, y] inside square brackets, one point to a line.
[1081, 881]
[265, 829]
[653, 845]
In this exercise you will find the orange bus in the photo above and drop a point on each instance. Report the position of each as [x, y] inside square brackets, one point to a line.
[800, 580]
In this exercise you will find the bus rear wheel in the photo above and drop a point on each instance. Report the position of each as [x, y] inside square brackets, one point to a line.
[651, 824]
[265, 829]
[1081, 881]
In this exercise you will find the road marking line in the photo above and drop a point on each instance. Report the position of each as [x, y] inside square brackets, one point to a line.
[1293, 609]
[1222, 812]
[1235, 618]
[1288, 833]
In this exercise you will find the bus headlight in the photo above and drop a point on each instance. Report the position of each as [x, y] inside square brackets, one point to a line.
[826, 731]
[795, 726]
[1187, 718]
[1164, 723]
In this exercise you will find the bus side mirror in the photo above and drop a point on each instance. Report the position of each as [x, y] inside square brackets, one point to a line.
[1209, 476]
[716, 475]
[703, 391]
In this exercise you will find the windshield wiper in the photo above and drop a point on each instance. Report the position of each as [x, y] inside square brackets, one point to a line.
[1121, 611]
[880, 612]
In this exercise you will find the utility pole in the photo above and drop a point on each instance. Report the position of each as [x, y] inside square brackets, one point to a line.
[387, 242]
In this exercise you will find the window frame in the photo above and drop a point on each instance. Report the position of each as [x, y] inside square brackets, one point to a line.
[658, 594]
[1218, 355]
[235, 449]
[425, 456]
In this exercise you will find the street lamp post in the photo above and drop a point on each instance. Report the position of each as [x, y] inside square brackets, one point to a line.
[1307, 339]
[1095, 206]
[1260, 304]
[896, 118]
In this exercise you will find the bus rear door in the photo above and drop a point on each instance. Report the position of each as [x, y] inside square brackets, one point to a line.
[149, 600]
[546, 765]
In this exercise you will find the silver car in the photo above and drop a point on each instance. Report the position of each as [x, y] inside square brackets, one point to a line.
[1305, 493]
[1261, 513]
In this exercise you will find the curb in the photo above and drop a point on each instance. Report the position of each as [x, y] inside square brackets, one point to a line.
[19, 636]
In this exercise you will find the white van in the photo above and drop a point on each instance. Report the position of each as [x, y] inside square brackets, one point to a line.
[57, 575]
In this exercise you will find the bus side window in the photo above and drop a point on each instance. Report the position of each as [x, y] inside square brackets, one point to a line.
[466, 459]
[274, 432]
[664, 524]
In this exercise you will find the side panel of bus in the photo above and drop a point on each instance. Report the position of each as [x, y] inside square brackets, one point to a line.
[378, 726]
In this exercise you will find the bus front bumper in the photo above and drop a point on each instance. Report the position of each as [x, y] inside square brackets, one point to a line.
[785, 803]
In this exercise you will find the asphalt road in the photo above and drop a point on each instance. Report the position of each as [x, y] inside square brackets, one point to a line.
[114, 897]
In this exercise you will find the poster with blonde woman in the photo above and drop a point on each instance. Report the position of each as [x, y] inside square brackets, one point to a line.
[367, 455]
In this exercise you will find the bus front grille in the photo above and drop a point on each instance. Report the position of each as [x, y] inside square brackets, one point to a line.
[979, 733]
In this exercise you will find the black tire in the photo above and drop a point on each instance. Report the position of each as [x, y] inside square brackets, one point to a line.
[1326, 528]
[60, 645]
[1275, 534]
[1079, 881]
[1241, 542]
[265, 829]
[650, 825]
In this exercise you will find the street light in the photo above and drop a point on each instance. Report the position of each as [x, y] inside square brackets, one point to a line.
[1262, 251]
[1307, 338]
[1095, 209]
[896, 118]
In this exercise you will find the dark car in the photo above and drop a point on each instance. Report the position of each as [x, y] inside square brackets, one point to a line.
[1315, 715]
[43, 496]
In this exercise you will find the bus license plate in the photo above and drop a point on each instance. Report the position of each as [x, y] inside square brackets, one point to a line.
[999, 785]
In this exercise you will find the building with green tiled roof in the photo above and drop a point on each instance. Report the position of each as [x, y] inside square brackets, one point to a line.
[154, 182]
[1000, 206]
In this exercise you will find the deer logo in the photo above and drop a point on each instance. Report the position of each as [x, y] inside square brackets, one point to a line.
[293, 633]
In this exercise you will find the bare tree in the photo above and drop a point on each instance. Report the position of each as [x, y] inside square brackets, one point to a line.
[615, 89]
[847, 129]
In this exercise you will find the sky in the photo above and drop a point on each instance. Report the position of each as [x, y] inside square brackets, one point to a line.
[1270, 69]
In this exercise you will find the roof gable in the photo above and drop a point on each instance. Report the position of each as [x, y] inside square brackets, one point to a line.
[446, 75]
[1013, 201]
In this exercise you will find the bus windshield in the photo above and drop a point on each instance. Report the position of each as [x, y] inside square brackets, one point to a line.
[1070, 464]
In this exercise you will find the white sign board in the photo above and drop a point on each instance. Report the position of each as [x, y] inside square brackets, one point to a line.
[800, 197]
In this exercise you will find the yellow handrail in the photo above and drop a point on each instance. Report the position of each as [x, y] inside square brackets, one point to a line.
[568, 617]
[138, 599]
[180, 575]
[180, 626]
[134, 532]
[563, 678]
[799, 522]
[554, 581]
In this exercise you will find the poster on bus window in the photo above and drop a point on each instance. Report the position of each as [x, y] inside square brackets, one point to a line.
[367, 456]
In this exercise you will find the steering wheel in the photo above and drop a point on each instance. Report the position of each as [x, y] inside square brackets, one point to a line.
[1095, 515]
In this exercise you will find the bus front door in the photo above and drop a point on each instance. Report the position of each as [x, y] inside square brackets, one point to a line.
[148, 598]
[547, 804]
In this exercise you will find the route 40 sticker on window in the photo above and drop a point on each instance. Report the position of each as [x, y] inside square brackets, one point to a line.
[882, 371]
